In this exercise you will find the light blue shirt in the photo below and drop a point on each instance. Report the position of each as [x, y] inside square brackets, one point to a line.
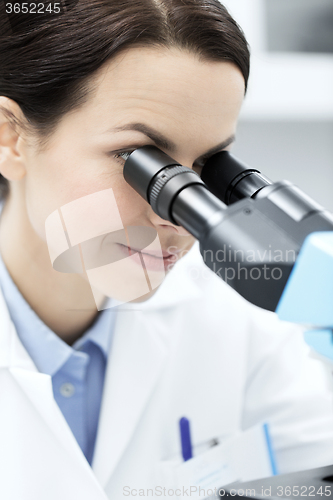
[77, 371]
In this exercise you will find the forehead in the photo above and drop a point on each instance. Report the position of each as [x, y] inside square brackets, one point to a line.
[193, 103]
[167, 84]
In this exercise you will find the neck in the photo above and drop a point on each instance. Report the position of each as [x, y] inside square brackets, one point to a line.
[64, 302]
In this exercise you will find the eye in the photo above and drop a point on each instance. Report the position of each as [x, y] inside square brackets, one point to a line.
[122, 156]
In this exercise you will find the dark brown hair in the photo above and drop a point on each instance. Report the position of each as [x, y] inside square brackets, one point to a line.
[47, 63]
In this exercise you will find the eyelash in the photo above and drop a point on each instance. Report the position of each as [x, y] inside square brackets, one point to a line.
[123, 155]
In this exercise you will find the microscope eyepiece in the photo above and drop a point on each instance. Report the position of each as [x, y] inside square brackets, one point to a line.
[231, 180]
[159, 179]
[143, 165]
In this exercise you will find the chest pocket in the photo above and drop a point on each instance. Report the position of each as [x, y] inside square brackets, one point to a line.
[241, 457]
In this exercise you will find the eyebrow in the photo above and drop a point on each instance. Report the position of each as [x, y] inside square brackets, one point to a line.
[162, 142]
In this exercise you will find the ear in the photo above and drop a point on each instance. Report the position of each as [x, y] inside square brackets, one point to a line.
[12, 164]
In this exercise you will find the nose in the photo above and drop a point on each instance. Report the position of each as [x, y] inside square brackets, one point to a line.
[165, 225]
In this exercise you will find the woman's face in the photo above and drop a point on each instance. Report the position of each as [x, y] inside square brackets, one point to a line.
[168, 98]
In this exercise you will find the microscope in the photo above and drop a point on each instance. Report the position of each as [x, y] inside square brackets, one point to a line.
[269, 241]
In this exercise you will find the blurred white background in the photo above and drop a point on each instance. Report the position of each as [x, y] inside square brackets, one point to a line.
[286, 124]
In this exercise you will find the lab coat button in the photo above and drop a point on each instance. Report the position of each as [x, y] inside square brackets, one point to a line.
[67, 390]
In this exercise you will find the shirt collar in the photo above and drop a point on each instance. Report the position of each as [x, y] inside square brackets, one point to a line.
[48, 351]
[97, 332]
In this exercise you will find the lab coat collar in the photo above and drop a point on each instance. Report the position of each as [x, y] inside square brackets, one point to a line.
[12, 352]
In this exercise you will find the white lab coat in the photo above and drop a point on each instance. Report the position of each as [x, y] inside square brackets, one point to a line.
[195, 349]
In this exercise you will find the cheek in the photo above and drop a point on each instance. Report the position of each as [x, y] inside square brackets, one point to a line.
[54, 183]
[132, 207]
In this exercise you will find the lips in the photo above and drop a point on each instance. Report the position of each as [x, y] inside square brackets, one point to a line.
[164, 253]
[152, 260]
[152, 253]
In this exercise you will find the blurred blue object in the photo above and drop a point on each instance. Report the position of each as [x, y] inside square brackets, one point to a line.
[308, 296]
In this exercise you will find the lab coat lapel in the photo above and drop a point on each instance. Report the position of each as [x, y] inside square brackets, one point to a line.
[34, 459]
[36, 388]
[138, 356]
[12, 352]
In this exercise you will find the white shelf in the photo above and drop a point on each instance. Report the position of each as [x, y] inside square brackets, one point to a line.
[290, 86]
[283, 86]
[250, 15]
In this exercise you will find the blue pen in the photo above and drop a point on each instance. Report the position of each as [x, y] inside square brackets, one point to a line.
[185, 438]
